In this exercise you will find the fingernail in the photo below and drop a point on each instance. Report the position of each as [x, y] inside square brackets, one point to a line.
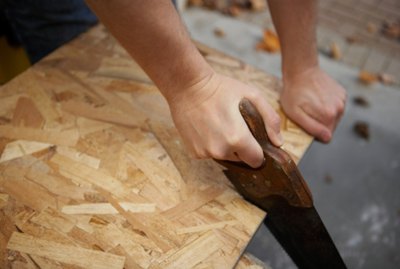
[326, 136]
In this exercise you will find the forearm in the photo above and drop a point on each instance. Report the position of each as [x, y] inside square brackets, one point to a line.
[295, 22]
[153, 34]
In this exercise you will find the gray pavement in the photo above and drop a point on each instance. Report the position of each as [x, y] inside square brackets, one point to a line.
[355, 182]
[360, 20]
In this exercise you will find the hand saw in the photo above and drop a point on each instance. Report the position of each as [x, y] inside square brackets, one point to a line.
[278, 188]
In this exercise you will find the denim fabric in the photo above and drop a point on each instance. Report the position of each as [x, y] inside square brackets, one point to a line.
[41, 26]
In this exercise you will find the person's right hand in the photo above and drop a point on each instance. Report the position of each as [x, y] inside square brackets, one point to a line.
[208, 119]
[315, 101]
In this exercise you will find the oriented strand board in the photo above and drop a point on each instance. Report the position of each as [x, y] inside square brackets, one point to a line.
[93, 173]
[85, 258]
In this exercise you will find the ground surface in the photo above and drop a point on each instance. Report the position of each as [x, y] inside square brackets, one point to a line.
[355, 182]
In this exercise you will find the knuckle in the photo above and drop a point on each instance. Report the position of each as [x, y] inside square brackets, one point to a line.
[330, 113]
[254, 94]
[236, 140]
[275, 121]
[341, 107]
[217, 153]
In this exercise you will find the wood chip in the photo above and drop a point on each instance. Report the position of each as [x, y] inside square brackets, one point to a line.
[206, 227]
[104, 113]
[371, 28]
[78, 256]
[367, 78]
[26, 114]
[233, 11]
[107, 208]
[353, 39]
[84, 175]
[20, 148]
[360, 101]
[218, 32]
[361, 128]
[335, 52]
[270, 42]
[3, 200]
[258, 5]
[391, 30]
[386, 79]
[64, 138]
[193, 253]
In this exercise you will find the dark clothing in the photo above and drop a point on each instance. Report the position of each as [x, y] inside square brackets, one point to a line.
[41, 26]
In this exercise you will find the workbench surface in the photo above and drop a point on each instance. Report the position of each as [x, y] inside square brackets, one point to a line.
[93, 173]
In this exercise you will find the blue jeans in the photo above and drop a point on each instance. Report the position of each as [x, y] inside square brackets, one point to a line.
[41, 26]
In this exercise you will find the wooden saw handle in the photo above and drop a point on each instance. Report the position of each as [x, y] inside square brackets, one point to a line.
[277, 177]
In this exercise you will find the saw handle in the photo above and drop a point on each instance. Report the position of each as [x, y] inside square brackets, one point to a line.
[256, 125]
[255, 122]
[277, 176]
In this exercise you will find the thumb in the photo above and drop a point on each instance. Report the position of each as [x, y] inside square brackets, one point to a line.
[272, 121]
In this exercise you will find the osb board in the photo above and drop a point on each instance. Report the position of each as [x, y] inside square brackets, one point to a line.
[93, 173]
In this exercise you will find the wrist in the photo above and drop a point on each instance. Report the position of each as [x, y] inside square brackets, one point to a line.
[296, 62]
[293, 74]
[185, 72]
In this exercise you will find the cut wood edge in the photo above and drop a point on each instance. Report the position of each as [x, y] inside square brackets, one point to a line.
[248, 261]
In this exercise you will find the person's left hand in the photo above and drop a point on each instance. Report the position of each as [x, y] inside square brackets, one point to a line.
[315, 101]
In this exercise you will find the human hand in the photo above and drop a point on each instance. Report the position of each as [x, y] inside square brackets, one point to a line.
[314, 101]
[207, 116]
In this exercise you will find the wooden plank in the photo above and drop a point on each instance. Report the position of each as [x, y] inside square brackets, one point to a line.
[109, 155]
[78, 256]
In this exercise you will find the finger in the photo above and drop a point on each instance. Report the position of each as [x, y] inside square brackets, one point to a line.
[249, 151]
[232, 156]
[271, 119]
[312, 125]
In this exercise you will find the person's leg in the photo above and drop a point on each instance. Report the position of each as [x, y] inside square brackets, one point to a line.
[43, 25]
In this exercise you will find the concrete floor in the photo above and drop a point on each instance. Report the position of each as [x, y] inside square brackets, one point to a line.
[355, 182]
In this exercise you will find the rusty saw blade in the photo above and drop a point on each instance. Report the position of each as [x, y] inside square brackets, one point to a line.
[278, 188]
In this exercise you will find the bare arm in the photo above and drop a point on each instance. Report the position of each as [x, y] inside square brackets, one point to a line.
[152, 33]
[310, 97]
[203, 104]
